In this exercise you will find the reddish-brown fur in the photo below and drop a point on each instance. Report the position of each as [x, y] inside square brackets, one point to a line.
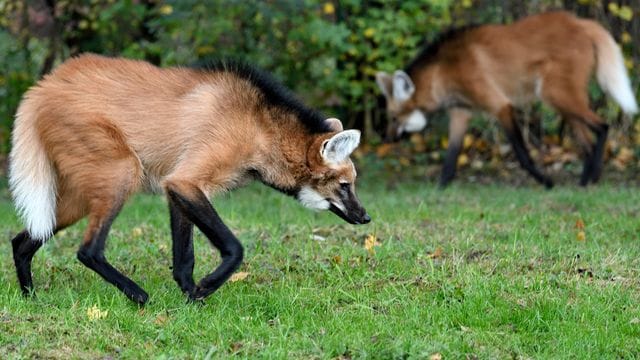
[113, 126]
[158, 127]
[495, 68]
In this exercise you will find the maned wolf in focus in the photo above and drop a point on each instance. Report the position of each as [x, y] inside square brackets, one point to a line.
[98, 129]
[496, 68]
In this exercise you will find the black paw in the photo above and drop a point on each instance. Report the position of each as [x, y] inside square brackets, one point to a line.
[196, 296]
[139, 297]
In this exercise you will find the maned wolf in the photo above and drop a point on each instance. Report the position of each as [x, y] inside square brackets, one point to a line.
[98, 129]
[496, 68]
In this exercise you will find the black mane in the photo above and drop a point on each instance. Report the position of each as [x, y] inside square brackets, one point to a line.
[274, 92]
[431, 49]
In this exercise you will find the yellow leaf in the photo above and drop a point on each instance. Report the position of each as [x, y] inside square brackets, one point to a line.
[166, 9]
[463, 160]
[467, 142]
[436, 356]
[626, 38]
[625, 155]
[239, 276]
[613, 8]
[205, 49]
[94, 313]
[369, 32]
[444, 142]
[581, 236]
[370, 242]
[337, 259]
[136, 232]
[626, 13]
[328, 8]
[628, 63]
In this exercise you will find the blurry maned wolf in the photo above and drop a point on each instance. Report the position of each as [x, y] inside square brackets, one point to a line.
[496, 68]
[97, 129]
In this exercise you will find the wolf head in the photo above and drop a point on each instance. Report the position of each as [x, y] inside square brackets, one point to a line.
[331, 185]
[404, 113]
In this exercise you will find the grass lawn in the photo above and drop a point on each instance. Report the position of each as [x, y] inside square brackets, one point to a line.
[474, 271]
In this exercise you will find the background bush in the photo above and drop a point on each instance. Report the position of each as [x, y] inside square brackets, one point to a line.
[327, 51]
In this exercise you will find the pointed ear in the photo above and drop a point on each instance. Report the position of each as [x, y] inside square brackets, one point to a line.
[338, 148]
[385, 83]
[334, 124]
[403, 87]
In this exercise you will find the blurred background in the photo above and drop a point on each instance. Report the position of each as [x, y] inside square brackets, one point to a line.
[328, 53]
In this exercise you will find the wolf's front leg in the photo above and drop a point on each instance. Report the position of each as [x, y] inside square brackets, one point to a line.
[193, 203]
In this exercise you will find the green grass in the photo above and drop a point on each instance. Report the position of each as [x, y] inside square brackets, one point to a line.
[486, 271]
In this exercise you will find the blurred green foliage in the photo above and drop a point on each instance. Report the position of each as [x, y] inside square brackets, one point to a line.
[327, 51]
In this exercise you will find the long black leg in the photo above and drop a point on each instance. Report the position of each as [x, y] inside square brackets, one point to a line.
[183, 258]
[593, 161]
[450, 163]
[458, 124]
[24, 247]
[91, 254]
[587, 167]
[522, 154]
[199, 211]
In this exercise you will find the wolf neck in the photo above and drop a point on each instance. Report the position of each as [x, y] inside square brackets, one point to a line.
[283, 159]
[435, 91]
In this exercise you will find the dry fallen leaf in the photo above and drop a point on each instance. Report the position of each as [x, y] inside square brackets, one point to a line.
[481, 145]
[463, 160]
[370, 242]
[383, 150]
[579, 224]
[160, 319]
[418, 142]
[136, 232]
[239, 276]
[581, 236]
[436, 254]
[436, 356]
[416, 138]
[551, 139]
[236, 346]
[467, 141]
[625, 154]
[444, 142]
[337, 259]
[94, 313]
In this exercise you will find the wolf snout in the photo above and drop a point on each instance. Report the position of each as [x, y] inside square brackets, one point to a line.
[365, 219]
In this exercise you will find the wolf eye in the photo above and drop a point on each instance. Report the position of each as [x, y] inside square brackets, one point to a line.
[345, 186]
